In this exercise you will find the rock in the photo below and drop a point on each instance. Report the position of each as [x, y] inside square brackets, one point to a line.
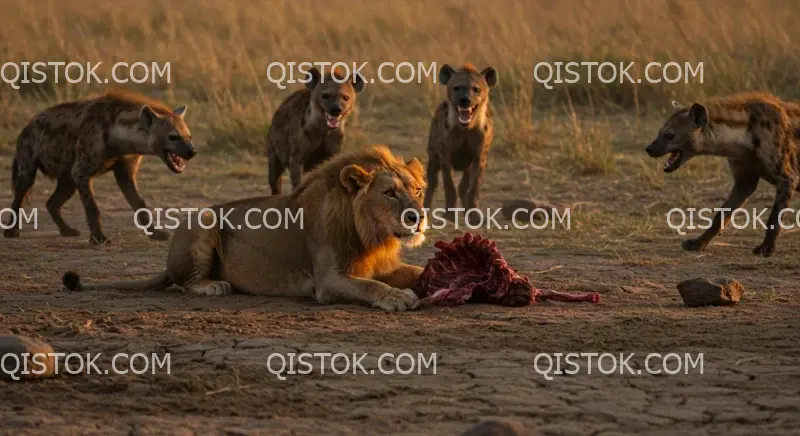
[496, 428]
[710, 292]
[18, 353]
[529, 206]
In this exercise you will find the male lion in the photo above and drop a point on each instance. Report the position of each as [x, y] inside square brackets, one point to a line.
[344, 246]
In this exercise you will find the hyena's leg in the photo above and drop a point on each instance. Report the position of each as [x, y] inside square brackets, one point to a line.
[276, 169]
[23, 175]
[191, 258]
[476, 181]
[433, 178]
[784, 189]
[83, 172]
[125, 173]
[464, 187]
[744, 185]
[296, 172]
[450, 195]
[65, 189]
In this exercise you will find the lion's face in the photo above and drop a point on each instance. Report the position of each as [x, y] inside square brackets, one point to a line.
[387, 202]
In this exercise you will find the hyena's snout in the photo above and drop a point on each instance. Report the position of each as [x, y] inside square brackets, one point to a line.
[655, 150]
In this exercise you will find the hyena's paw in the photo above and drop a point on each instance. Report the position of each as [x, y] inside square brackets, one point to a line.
[696, 244]
[69, 232]
[211, 288]
[398, 300]
[100, 239]
[11, 233]
[764, 249]
[159, 235]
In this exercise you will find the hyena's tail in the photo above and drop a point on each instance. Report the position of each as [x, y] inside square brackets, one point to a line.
[162, 281]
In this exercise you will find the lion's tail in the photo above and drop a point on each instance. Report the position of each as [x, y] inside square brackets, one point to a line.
[162, 281]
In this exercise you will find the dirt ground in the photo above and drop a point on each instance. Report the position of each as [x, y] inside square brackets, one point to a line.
[220, 382]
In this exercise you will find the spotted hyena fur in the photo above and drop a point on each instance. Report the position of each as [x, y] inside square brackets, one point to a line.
[76, 141]
[309, 126]
[460, 135]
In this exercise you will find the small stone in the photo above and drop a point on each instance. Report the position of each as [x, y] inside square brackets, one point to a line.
[496, 428]
[33, 359]
[710, 292]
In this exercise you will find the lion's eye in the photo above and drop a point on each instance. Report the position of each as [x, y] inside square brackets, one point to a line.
[419, 192]
[390, 193]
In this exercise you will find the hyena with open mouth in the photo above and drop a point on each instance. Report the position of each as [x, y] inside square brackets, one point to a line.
[460, 135]
[76, 141]
[757, 133]
[308, 128]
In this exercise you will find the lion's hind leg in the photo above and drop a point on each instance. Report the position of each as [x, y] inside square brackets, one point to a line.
[192, 257]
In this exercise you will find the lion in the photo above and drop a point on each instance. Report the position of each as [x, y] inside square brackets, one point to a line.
[341, 241]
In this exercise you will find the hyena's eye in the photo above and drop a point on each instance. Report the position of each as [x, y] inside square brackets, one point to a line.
[457, 89]
[345, 97]
[669, 136]
[476, 90]
[174, 137]
[390, 193]
[326, 96]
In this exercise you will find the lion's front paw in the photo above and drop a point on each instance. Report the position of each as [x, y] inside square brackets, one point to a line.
[398, 300]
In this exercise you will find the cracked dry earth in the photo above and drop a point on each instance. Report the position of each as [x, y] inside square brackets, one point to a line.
[220, 381]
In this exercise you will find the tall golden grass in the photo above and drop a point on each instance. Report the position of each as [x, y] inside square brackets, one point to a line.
[219, 50]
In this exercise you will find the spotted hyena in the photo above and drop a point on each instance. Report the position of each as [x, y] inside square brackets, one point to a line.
[460, 135]
[757, 133]
[309, 126]
[76, 141]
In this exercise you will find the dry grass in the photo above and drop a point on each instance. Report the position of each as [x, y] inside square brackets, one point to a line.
[219, 51]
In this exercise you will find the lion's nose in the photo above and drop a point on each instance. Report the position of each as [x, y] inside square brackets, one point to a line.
[411, 217]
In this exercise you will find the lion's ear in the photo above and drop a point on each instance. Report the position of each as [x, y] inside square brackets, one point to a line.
[415, 166]
[354, 177]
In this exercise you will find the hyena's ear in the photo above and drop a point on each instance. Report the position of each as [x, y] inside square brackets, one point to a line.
[358, 83]
[355, 177]
[699, 114]
[314, 77]
[415, 166]
[676, 106]
[445, 73]
[490, 75]
[180, 110]
[147, 117]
